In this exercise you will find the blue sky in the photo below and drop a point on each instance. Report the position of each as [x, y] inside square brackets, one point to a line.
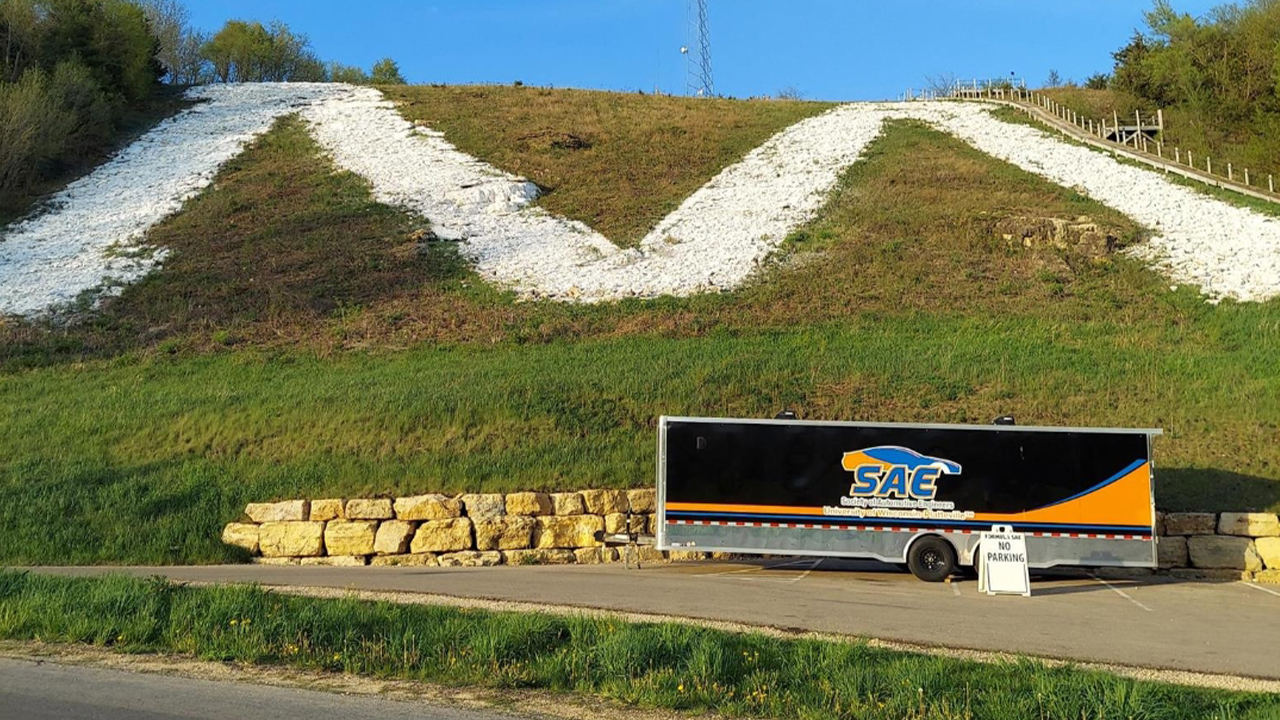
[827, 49]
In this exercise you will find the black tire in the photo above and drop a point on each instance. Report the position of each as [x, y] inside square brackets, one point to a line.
[931, 559]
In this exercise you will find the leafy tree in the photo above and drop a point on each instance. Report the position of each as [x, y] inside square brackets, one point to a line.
[168, 20]
[1054, 79]
[1098, 81]
[20, 29]
[386, 72]
[250, 52]
[351, 74]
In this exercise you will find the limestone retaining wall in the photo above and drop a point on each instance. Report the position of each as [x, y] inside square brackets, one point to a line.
[538, 528]
[463, 530]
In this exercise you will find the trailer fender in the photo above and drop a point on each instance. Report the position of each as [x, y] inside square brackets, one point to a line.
[906, 549]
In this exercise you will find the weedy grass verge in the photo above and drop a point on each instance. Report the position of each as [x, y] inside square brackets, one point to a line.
[665, 666]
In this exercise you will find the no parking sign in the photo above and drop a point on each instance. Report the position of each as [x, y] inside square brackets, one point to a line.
[1002, 562]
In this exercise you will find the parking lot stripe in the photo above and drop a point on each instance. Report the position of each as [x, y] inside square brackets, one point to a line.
[1122, 593]
[1259, 587]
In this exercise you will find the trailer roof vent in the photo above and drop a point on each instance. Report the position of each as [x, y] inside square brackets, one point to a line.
[786, 415]
[1004, 420]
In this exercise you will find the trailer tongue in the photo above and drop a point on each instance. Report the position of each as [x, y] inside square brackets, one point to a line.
[905, 493]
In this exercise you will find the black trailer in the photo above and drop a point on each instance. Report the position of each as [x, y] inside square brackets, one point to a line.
[905, 493]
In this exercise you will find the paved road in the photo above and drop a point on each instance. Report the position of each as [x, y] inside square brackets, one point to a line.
[1227, 628]
[48, 691]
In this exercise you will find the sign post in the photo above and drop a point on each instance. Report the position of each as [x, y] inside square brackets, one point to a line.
[1002, 562]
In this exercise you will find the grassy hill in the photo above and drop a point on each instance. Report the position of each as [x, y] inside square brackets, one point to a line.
[301, 341]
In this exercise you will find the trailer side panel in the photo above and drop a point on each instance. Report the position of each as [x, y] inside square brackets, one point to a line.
[1082, 496]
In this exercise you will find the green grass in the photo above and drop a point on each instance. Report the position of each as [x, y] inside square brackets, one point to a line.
[662, 666]
[298, 343]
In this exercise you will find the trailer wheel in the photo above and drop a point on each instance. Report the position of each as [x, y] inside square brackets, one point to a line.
[931, 559]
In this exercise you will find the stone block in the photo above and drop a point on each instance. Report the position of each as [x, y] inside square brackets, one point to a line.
[605, 502]
[327, 509]
[1253, 525]
[291, 539]
[276, 561]
[1190, 523]
[484, 505]
[653, 525]
[349, 537]
[1223, 552]
[439, 536]
[393, 537]
[568, 503]
[428, 507]
[334, 561]
[470, 558]
[289, 510]
[241, 535]
[418, 560]
[643, 500]
[1159, 523]
[639, 524]
[647, 555]
[615, 523]
[1171, 552]
[1210, 575]
[595, 555]
[530, 503]
[570, 531]
[1268, 549]
[509, 532]
[539, 557]
[369, 509]
[1268, 577]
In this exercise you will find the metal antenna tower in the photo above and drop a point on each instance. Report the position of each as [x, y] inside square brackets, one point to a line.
[700, 81]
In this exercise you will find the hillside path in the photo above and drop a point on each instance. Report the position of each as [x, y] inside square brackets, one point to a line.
[1221, 628]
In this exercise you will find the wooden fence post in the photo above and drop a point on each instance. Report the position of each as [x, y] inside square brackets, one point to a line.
[1208, 164]
[1230, 172]
[1246, 176]
[1115, 116]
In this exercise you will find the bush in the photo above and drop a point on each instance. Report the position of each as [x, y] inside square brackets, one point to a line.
[1100, 81]
[340, 73]
[32, 130]
[386, 72]
[87, 112]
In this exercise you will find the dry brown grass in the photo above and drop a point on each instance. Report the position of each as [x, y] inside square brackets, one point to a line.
[617, 162]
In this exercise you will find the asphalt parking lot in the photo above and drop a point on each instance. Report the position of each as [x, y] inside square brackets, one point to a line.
[1227, 628]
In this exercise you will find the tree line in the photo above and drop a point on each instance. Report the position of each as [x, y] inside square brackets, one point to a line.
[1224, 66]
[72, 72]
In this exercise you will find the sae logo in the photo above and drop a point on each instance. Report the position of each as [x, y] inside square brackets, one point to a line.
[892, 471]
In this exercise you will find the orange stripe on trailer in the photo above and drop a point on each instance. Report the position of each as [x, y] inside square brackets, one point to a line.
[1126, 501]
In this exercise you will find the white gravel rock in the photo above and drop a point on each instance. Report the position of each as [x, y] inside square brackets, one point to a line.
[715, 240]
[1228, 251]
[89, 240]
